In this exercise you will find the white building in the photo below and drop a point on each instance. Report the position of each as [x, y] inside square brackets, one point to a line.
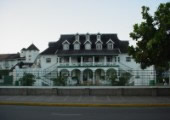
[90, 59]
[24, 59]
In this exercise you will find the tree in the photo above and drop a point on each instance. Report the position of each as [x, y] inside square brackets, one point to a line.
[152, 38]
[27, 79]
[124, 79]
[59, 81]
[112, 76]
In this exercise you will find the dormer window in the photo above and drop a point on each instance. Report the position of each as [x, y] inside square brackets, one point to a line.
[98, 37]
[77, 37]
[110, 44]
[99, 43]
[98, 46]
[66, 45]
[87, 43]
[76, 43]
[87, 37]
[88, 46]
[76, 46]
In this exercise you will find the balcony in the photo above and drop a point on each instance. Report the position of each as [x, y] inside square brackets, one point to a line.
[86, 64]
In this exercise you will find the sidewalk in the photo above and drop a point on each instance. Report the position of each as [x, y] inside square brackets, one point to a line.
[105, 101]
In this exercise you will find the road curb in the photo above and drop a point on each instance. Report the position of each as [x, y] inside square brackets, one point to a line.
[82, 104]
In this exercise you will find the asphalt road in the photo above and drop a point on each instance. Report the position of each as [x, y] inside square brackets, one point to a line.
[83, 113]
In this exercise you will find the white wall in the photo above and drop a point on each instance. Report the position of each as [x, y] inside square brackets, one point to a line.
[145, 75]
[23, 53]
[43, 62]
[10, 64]
[31, 55]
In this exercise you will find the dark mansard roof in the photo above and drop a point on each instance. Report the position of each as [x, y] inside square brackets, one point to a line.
[10, 57]
[31, 47]
[57, 47]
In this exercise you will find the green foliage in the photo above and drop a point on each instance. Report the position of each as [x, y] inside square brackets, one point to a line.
[27, 80]
[59, 81]
[152, 37]
[112, 77]
[124, 79]
[17, 83]
[4, 72]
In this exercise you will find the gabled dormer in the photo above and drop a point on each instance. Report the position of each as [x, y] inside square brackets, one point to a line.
[77, 43]
[99, 43]
[87, 42]
[98, 37]
[110, 44]
[66, 45]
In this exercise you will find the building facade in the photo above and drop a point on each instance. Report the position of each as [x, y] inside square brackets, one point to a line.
[91, 59]
[27, 57]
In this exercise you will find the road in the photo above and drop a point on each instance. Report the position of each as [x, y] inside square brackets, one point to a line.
[83, 113]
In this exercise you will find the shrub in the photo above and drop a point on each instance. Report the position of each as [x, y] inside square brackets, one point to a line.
[27, 79]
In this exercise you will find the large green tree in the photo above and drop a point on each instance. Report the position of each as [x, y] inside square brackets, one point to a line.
[152, 37]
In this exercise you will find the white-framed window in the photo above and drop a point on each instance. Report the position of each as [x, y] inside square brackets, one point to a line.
[110, 46]
[76, 46]
[88, 46]
[128, 59]
[87, 37]
[109, 59]
[98, 37]
[99, 46]
[65, 46]
[77, 37]
[48, 60]
[118, 59]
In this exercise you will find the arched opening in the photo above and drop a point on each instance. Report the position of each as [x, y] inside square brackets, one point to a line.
[99, 76]
[110, 72]
[87, 76]
[64, 73]
[75, 74]
[111, 76]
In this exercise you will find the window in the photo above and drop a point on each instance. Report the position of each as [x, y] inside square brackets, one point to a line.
[29, 55]
[48, 60]
[66, 46]
[87, 37]
[110, 46]
[76, 46]
[118, 59]
[96, 59]
[88, 46]
[99, 46]
[77, 37]
[98, 37]
[128, 59]
[109, 59]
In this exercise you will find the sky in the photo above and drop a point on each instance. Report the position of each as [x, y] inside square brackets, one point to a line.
[23, 22]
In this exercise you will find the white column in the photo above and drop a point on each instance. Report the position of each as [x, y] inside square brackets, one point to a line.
[93, 77]
[81, 60]
[113, 60]
[104, 60]
[105, 75]
[69, 61]
[70, 73]
[93, 60]
[81, 77]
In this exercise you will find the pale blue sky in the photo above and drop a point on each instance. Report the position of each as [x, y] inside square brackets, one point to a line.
[23, 22]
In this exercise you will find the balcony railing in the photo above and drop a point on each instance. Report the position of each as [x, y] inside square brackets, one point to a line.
[87, 64]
